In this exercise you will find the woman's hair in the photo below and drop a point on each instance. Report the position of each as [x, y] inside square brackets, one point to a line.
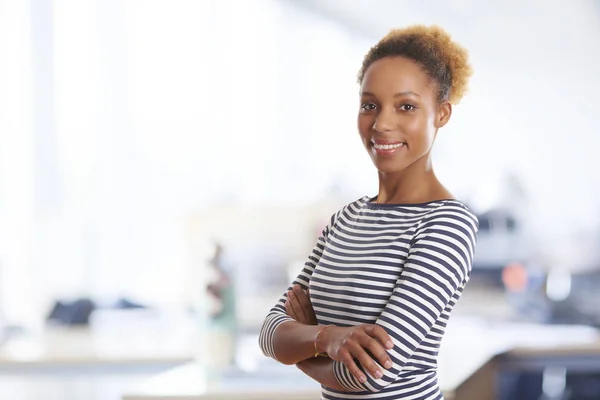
[445, 61]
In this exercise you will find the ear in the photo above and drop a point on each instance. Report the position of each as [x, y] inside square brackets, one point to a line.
[443, 115]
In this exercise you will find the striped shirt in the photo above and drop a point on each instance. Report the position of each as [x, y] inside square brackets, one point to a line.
[400, 266]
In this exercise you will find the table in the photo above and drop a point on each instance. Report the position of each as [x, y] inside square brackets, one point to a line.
[467, 364]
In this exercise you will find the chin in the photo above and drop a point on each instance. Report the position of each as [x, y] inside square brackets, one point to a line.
[389, 167]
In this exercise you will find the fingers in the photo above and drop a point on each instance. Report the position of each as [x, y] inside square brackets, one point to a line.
[348, 361]
[380, 334]
[290, 311]
[377, 351]
[299, 306]
[303, 299]
[358, 352]
[295, 304]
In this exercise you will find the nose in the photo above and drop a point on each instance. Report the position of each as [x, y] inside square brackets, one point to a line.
[384, 121]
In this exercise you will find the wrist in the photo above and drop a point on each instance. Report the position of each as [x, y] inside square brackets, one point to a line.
[320, 343]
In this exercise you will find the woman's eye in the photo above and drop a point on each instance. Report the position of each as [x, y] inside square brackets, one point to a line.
[407, 107]
[368, 106]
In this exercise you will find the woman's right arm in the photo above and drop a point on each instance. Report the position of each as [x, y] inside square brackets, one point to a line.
[282, 338]
[294, 342]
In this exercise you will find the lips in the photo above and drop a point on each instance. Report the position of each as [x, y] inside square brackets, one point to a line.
[387, 147]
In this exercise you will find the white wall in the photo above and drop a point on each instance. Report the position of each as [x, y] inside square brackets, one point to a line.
[17, 233]
[161, 109]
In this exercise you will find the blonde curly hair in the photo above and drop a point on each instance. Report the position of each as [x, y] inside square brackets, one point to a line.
[446, 62]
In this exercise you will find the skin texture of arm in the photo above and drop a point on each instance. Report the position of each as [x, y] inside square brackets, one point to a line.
[294, 342]
[321, 370]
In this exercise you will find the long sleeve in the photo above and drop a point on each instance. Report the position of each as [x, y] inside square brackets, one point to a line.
[277, 314]
[435, 271]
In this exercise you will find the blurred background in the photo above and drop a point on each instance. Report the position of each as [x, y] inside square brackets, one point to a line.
[166, 166]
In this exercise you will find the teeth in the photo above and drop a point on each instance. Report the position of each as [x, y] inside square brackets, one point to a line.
[387, 146]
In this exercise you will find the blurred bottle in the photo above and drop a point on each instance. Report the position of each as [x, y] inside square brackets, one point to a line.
[221, 323]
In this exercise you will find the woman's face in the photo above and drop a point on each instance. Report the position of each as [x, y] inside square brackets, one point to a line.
[399, 114]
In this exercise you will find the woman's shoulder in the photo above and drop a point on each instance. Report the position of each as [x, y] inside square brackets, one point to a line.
[353, 206]
[452, 211]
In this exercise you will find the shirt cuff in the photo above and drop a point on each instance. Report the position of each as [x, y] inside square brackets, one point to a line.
[267, 335]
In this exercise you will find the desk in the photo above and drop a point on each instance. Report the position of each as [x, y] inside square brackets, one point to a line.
[191, 382]
[466, 360]
[58, 349]
[537, 345]
[83, 363]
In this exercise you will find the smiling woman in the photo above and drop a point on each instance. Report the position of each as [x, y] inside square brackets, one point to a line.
[368, 311]
[409, 82]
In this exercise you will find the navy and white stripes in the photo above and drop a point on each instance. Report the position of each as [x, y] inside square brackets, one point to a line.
[403, 267]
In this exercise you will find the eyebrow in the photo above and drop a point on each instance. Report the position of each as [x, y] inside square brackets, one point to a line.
[407, 93]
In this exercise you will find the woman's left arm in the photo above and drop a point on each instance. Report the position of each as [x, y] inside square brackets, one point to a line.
[436, 269]
[321, 370]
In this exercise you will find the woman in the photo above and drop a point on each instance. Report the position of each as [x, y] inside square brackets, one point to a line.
[368, 311]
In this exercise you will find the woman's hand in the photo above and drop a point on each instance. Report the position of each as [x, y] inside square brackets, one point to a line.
[299, 307]
[347, 344]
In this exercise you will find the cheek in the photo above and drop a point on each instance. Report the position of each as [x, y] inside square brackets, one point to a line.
[415, 125]
[421, 130]
[364, 124]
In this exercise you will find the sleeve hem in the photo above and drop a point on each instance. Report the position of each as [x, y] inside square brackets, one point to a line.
[267, 335]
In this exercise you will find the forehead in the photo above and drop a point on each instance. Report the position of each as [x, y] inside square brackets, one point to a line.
[393, 75]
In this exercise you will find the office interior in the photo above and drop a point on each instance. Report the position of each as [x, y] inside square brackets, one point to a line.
[166, 166]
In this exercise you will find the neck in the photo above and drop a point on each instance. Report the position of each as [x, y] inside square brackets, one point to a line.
[416, 184]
